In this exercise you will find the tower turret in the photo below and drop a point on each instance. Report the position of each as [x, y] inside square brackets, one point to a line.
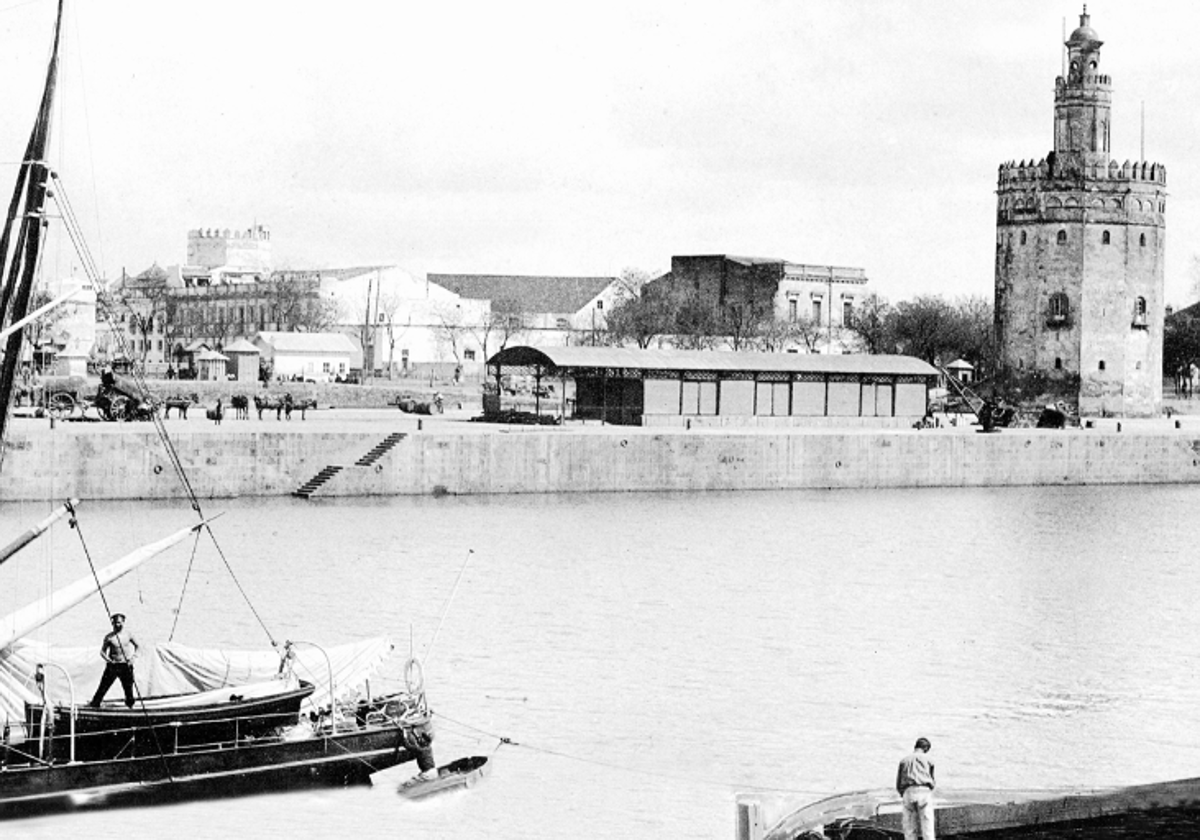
[1082, 103]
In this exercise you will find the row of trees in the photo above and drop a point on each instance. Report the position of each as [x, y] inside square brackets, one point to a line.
[928, 326]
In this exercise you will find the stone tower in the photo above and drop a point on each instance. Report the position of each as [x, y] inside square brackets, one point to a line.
[1079, 253]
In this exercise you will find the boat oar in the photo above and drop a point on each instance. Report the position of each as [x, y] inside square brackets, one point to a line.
[36, 531]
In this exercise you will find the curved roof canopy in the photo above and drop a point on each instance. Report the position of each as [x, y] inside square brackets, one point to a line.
[707, 360]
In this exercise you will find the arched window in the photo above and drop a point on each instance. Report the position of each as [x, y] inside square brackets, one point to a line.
[1059, 310]
[1101, 364]
[1139, 312]
[1105, 239]
[1058, 363]
[1142, 241]
[1062, 237]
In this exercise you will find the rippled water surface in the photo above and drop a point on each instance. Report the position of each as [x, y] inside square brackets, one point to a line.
[653, 655]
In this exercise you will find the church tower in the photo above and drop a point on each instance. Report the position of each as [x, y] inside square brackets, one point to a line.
[1079, 253]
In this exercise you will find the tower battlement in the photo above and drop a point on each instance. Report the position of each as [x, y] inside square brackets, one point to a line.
[257, 233]
[1090, 80]
[1028, 174]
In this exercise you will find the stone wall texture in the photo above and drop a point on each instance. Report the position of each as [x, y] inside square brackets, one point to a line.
[61, 463]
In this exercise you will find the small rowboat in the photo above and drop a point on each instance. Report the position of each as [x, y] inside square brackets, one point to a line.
[463, 773]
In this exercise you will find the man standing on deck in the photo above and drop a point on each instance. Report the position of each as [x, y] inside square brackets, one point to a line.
[118, 650]
[914, 783]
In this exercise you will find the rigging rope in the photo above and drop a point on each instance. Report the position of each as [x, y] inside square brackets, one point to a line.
[107, 611]
[62, 200]
[446, 608]
[625, 768]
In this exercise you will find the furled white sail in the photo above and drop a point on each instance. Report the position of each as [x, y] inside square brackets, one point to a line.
[177, 670]
[27, 619]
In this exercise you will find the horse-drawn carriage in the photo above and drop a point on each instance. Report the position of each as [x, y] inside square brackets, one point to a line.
[110, 403]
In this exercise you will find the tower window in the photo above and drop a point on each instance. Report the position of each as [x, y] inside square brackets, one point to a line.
[1139, 311]
[1059, 310]
[1142, 240]
[1105, 239]
[1062, 237]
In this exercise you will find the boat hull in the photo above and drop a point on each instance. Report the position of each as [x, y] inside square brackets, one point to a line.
[1139, 812]
[343, 758]
[113, 731]
[463, 773]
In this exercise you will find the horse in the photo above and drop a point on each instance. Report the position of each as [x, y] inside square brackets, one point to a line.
[300, 405]
[215, 414]
[179, 402]
[241, 406]
[277, 404]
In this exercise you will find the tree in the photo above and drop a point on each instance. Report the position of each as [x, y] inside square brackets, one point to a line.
[389, 307]
[1181, 342]
[872, 325]
[142, 302]
[639, 320]
[925, 327]
[503, 320]
[296, 305]
[449, 331]
[778, 334]
[975, 333]
[696, 323]
[509, 320]
[43, 330]
[741, 323]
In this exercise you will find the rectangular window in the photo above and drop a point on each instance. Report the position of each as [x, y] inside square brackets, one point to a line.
[793, 306]
[816, 310]
[325, 367]
[599, 304]
[847, 313]
[468, 355]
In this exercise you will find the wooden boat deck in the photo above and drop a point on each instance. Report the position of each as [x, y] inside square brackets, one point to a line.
[1158, 810]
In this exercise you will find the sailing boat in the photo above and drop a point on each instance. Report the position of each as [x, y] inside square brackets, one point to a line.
[213, 722]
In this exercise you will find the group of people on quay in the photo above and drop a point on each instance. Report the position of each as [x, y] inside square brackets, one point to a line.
[1187, 380]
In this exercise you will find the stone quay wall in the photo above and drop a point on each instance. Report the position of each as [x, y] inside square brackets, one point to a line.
[129, 463]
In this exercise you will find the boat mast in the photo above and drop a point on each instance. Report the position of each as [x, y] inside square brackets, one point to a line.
[19, 259]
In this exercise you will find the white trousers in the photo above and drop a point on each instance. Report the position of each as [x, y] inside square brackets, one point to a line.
[918, 813]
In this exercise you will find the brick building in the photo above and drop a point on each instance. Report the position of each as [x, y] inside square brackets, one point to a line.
[824, 294]
[1079, 253]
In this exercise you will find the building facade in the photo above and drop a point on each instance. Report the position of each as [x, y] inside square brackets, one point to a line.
[1079, 253]
[823, 295]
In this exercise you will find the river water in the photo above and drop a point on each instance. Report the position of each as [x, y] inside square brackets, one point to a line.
[653, 655]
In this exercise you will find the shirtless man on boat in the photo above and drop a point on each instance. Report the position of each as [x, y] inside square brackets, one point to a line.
[118, 650]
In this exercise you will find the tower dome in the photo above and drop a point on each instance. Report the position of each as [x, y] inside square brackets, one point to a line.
[1084, 36]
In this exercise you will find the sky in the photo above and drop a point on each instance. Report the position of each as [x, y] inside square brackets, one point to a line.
[584, 138]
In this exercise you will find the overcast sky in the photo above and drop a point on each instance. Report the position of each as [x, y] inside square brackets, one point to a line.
[572, 138]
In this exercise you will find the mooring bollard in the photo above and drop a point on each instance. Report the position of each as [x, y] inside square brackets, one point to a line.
[749, 819]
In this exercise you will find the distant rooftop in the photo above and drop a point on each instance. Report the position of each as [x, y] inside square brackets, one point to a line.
[525, 293]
